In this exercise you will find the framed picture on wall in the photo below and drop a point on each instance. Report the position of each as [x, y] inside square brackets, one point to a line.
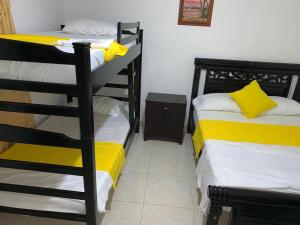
[195, 12]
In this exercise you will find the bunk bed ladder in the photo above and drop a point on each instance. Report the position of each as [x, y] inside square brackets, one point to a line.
[86, 121]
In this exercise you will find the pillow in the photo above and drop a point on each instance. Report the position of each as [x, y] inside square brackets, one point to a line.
[286, 107]
[252, 100]
[215, 102]
[103, 105]
[90, 27]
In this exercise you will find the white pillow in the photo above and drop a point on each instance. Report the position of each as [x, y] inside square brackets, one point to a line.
[90, 27]
[286, 107]
[215, 102]
[223, 102]
[103, 105]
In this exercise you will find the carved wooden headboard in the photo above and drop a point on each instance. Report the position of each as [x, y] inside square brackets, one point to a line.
[230, 75]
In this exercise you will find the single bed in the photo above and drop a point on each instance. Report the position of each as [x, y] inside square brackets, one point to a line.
[259, 182]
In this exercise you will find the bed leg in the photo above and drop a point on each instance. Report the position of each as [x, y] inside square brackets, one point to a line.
[214, 215]
[139, 62]
[216, 196]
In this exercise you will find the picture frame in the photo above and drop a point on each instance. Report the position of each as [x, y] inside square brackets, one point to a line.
[195, 12]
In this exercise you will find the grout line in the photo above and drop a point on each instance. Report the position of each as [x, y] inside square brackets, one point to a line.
[170, 206]
[147, 181]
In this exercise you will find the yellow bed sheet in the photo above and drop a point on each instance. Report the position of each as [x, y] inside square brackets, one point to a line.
[245, 132]
[114, 50]
[110, 157]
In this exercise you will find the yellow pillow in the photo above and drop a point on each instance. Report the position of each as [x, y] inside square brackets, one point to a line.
[252, 100]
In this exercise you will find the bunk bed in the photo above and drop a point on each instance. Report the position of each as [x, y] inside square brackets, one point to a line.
[253, 204]
[87, 83]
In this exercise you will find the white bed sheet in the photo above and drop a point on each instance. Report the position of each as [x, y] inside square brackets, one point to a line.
[107, 129]
[247, 165]
[52, 73]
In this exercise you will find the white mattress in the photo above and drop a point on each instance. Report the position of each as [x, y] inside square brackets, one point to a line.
[248, 165]
[107, 129]
[52, 73]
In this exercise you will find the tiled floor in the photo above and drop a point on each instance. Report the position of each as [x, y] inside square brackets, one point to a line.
[157, 187]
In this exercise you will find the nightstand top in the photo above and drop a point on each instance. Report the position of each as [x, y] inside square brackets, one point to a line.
[166, 98]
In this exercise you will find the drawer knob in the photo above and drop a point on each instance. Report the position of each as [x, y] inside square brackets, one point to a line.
[166, 108]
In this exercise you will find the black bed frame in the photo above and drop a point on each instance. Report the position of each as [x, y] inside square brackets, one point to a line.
[88, 83]
[249, 207]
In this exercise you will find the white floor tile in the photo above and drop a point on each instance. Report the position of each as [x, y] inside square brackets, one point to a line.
[138, 143]
[198, 216]
[131, 187]
[169, 191]
[12, 219]
[123, 213]
[170, 162]
[196, 195]
[165, 145]
[163, 215]
[137, 161]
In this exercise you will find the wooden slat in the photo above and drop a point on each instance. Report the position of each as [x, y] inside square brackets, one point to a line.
[31, 52]
[41, 167]
[129, 39]
[127, 26]
[123, 99]
[46, 214]
[23, 135]
[42, 191]
[33, 86]
[39, 109]
[116, 85]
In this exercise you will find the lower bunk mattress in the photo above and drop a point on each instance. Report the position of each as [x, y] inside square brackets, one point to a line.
[249, 165]
[110, 135]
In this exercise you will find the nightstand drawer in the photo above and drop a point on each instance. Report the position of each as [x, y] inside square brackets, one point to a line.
[162, 108]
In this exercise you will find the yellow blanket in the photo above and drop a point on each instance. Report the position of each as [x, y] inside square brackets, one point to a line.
[110, 157]
[114, 50]
[245, 132]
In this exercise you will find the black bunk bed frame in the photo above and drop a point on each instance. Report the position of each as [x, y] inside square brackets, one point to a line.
[88, 83]
[249, 207]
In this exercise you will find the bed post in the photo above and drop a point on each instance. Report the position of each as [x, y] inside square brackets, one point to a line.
[85, 100]
[216, 196]
[296, 96]
[195, 89]
[139, 81]
[131, 98]
[119, 34]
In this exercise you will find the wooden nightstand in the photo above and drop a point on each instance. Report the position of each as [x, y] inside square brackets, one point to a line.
[165, 116]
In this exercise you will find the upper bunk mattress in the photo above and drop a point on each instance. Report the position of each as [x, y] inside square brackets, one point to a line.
[52, 73]
[247, 165]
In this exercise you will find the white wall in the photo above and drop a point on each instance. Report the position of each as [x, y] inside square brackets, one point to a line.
[37, 15]
[241, 29]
